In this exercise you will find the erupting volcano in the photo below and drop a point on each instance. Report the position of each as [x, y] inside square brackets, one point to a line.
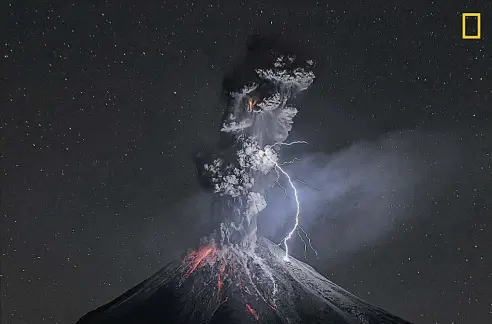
[235, 276]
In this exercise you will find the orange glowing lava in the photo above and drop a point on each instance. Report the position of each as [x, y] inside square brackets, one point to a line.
[251, 104]
[220, 280]
[252, 312]
[197, 259]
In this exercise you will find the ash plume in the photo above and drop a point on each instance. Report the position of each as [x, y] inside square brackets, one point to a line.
[359, 194]
[236, 276]
[259, 97]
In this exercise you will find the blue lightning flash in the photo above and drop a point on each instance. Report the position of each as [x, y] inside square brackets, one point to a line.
[296, 197]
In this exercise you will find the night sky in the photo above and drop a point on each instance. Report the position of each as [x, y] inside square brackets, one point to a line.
[102, 105]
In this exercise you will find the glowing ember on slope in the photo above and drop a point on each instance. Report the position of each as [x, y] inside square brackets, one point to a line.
[220, 280]
[252, 312]
[229, 268]
[197, 259]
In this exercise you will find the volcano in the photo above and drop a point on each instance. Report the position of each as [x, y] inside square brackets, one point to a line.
[234, 286]
[236, 276]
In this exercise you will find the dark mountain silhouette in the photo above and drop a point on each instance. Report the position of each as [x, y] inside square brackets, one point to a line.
[232, 286]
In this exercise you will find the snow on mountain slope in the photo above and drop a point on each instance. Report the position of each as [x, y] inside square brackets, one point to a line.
[229, 285]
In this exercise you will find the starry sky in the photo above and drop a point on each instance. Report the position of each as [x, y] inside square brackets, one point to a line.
[103, 103]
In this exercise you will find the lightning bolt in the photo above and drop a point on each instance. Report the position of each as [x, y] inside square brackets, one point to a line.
[290, 143]
[294, 189]
[298, 209]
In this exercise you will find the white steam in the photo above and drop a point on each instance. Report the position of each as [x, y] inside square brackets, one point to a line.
[255, 134]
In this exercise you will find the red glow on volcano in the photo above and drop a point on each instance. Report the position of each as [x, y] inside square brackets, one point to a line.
[197, 259]
[220, 280]
[224, 269]
[252, 312]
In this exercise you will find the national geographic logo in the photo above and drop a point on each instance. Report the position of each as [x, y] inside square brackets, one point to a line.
[471, 25]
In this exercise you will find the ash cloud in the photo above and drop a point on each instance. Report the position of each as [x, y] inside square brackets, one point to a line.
[359, 194]
[347, 199]
[259, 113]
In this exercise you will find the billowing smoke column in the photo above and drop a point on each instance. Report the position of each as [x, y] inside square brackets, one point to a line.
[235, 277]
[258, 119]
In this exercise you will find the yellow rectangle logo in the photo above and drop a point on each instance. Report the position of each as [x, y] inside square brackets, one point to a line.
[463, 26]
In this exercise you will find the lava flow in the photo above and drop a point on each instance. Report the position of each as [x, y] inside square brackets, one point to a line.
[227, 270]
[252, 312]
[220, 280]
[198, 258]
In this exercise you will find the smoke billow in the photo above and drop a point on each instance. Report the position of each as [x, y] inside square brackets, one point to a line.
[353, 196]
[348, 198]
[258, 117]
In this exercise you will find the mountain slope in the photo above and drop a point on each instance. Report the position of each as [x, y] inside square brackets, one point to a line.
[229, 285]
